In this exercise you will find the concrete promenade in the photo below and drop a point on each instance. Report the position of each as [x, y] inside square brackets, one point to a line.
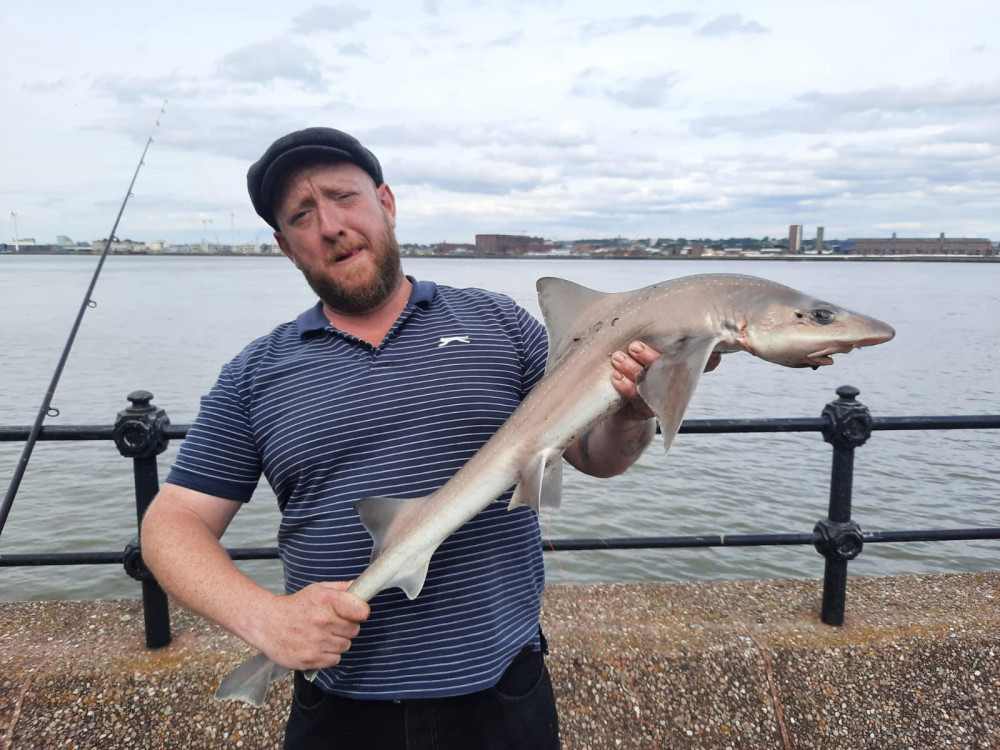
[743, 664]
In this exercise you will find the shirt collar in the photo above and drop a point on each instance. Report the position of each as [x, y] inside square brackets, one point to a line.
[313, 319]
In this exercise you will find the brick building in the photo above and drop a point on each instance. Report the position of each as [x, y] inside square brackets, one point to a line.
[918, 246]
[508, 244]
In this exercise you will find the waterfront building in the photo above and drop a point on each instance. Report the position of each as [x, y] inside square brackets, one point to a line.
[918, 246]
[795, 238]
[508, 244]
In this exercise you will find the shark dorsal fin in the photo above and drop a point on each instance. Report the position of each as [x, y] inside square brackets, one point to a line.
[561, 302]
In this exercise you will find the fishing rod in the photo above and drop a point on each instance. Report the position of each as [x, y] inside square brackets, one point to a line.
[46, 408]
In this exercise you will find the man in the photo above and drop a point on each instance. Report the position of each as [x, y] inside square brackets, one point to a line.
[386, 387]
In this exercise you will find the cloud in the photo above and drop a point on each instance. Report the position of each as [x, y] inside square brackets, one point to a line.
[354, 49]
[643, 93]
[865, 110]
[606, 27]
[329, 18]
[276, 59]
[566, 135]
[731, 23]
[636, 93]
[136, 89]
[480, 177]
[509, 40]
[42, 87]
[892, 166]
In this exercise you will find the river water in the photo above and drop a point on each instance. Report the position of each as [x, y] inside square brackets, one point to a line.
[166, 324]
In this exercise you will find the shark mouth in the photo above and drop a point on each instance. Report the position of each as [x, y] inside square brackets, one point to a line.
[825, 356]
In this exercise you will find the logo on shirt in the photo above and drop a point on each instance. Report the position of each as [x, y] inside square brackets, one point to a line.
[445, 340]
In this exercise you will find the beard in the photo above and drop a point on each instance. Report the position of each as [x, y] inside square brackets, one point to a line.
[362, 298]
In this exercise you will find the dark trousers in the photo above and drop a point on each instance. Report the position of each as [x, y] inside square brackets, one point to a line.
[518, 714]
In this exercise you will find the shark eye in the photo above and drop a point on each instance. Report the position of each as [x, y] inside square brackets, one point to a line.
[822, 316]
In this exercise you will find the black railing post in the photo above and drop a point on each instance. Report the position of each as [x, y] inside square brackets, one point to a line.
[139, 435]
[847, 425]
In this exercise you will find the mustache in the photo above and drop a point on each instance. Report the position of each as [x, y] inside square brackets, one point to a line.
[344, 246]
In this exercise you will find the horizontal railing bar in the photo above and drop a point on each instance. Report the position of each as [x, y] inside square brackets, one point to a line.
[958, 422]
[72, 432]
[931, 535]
[568, 545]
[674, 542]
[689, 426]
[712, 426]
[62, 558]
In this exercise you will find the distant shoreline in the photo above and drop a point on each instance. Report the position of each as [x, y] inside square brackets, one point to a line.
[472, 256]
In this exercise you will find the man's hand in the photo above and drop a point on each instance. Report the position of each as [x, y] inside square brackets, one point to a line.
[313, 627]
[627, 366]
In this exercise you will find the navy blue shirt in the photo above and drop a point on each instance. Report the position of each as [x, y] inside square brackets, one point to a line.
[329, 419]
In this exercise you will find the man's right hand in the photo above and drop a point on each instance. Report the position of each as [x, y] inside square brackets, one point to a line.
[313, 627]
[309, 629]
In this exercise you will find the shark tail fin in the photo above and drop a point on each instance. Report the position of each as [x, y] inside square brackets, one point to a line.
[381, 516]
[541, 482]
[250, 680]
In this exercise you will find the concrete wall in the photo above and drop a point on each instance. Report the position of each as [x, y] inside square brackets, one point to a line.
[709, 665]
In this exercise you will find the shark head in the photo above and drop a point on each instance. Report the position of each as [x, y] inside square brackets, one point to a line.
[794, 330]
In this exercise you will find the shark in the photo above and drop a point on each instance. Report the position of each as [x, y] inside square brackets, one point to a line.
[685, 319]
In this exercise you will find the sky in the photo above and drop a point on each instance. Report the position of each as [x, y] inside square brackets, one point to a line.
[562, 120]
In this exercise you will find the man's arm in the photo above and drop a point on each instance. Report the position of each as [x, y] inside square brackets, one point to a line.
[617, 442]
[180, 543]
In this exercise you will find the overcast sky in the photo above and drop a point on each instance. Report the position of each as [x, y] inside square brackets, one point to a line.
[554, 119]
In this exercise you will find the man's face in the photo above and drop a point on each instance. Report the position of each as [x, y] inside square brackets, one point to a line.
[337, 228]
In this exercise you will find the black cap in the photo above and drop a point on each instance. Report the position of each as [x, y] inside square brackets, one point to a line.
[301, 148]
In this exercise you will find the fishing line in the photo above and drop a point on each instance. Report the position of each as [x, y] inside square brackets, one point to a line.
[46, 408]
[605, 651]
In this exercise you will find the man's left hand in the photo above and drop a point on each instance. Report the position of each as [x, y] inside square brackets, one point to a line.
[627, 366]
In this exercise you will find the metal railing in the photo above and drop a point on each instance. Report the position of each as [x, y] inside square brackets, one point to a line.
[143, 431]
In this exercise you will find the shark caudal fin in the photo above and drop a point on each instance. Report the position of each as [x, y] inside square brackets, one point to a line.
[249, 681]
[385, 518]
[541, 482]
[669, 382]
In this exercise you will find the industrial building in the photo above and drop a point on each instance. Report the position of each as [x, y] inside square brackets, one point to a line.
[918, 246]
[508, 244]
[795, 238]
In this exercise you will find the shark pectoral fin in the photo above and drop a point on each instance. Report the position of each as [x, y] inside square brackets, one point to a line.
[669, 382]
[249, 681]
[541, 482]
[381, 516]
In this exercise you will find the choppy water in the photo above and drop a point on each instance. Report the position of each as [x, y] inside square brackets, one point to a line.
[167, 325]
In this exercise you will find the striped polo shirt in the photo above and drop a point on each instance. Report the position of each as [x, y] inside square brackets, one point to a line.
[329, 419]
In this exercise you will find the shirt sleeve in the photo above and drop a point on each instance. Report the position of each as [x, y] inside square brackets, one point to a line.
[219, 456]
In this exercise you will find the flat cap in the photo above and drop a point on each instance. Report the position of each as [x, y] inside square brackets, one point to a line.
[298, 149]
